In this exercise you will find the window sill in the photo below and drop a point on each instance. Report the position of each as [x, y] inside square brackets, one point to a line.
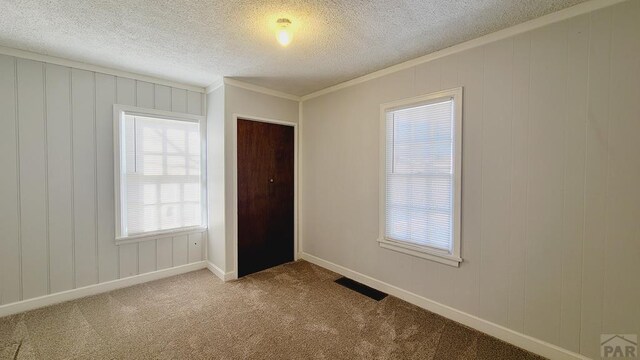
[159, 235]
[421, 252]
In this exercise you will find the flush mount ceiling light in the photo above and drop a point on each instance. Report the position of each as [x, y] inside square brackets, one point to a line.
[283, 31]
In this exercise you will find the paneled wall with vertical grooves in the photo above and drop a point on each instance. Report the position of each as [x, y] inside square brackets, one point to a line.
[550, 180]
[56, 179]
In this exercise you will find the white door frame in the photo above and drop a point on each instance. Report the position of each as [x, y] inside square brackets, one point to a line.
[234, 161]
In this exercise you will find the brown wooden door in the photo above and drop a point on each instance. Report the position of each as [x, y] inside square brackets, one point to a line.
[265, 195]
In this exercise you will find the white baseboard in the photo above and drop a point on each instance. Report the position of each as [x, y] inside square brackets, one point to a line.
[42, 301]
[224, 276]
[526, 342]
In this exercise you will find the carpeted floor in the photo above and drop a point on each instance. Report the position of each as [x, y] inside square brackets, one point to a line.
[294, 311]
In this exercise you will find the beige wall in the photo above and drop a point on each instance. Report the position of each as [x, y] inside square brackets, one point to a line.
[216, 177]
[550, 204]
[237, 101]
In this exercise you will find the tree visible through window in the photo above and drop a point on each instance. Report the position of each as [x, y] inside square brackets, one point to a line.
[160, 180]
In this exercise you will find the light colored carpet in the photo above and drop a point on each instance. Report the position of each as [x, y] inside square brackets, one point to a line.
[293, 311]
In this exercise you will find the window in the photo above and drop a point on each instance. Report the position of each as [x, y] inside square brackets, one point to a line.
[159, 177]
[420, 176]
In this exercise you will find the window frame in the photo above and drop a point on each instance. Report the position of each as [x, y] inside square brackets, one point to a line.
[119, 111]
[449, 258]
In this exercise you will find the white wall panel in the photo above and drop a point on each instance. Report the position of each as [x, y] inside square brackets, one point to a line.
[128, 260]
[596, 181]
[547, 105]
[216, 207]
[427, 77]
[60, 175]
[622, 249]
[163, 97]
[180, 250]
[107, 251]
[496, 179]
[449, 73]
[196, 245]
[145, 96]
[84, 179]
[574, 164]
[10, 248]
[56, 187]
[125, 91]
[164, 253]
[32, 138]
[147, 256]
[516, 248]
[194, 103]
[179, 100]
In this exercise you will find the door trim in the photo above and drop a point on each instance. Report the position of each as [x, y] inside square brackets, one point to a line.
[234, 173]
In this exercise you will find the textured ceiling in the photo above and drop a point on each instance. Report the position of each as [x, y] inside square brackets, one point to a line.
[196, 42]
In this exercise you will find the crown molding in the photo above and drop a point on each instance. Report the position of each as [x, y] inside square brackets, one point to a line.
[214, 86]
[95, 68]
[260, 89]
[570, 12]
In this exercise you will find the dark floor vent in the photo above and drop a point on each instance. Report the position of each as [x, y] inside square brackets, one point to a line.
[361, 288]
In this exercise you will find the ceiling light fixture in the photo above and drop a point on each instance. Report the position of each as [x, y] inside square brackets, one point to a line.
[283, 32]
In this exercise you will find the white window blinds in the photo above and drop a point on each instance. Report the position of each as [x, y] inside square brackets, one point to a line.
[420, 175]
[160, 175]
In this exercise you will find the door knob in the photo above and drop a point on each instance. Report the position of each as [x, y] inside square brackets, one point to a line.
[270, 180]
